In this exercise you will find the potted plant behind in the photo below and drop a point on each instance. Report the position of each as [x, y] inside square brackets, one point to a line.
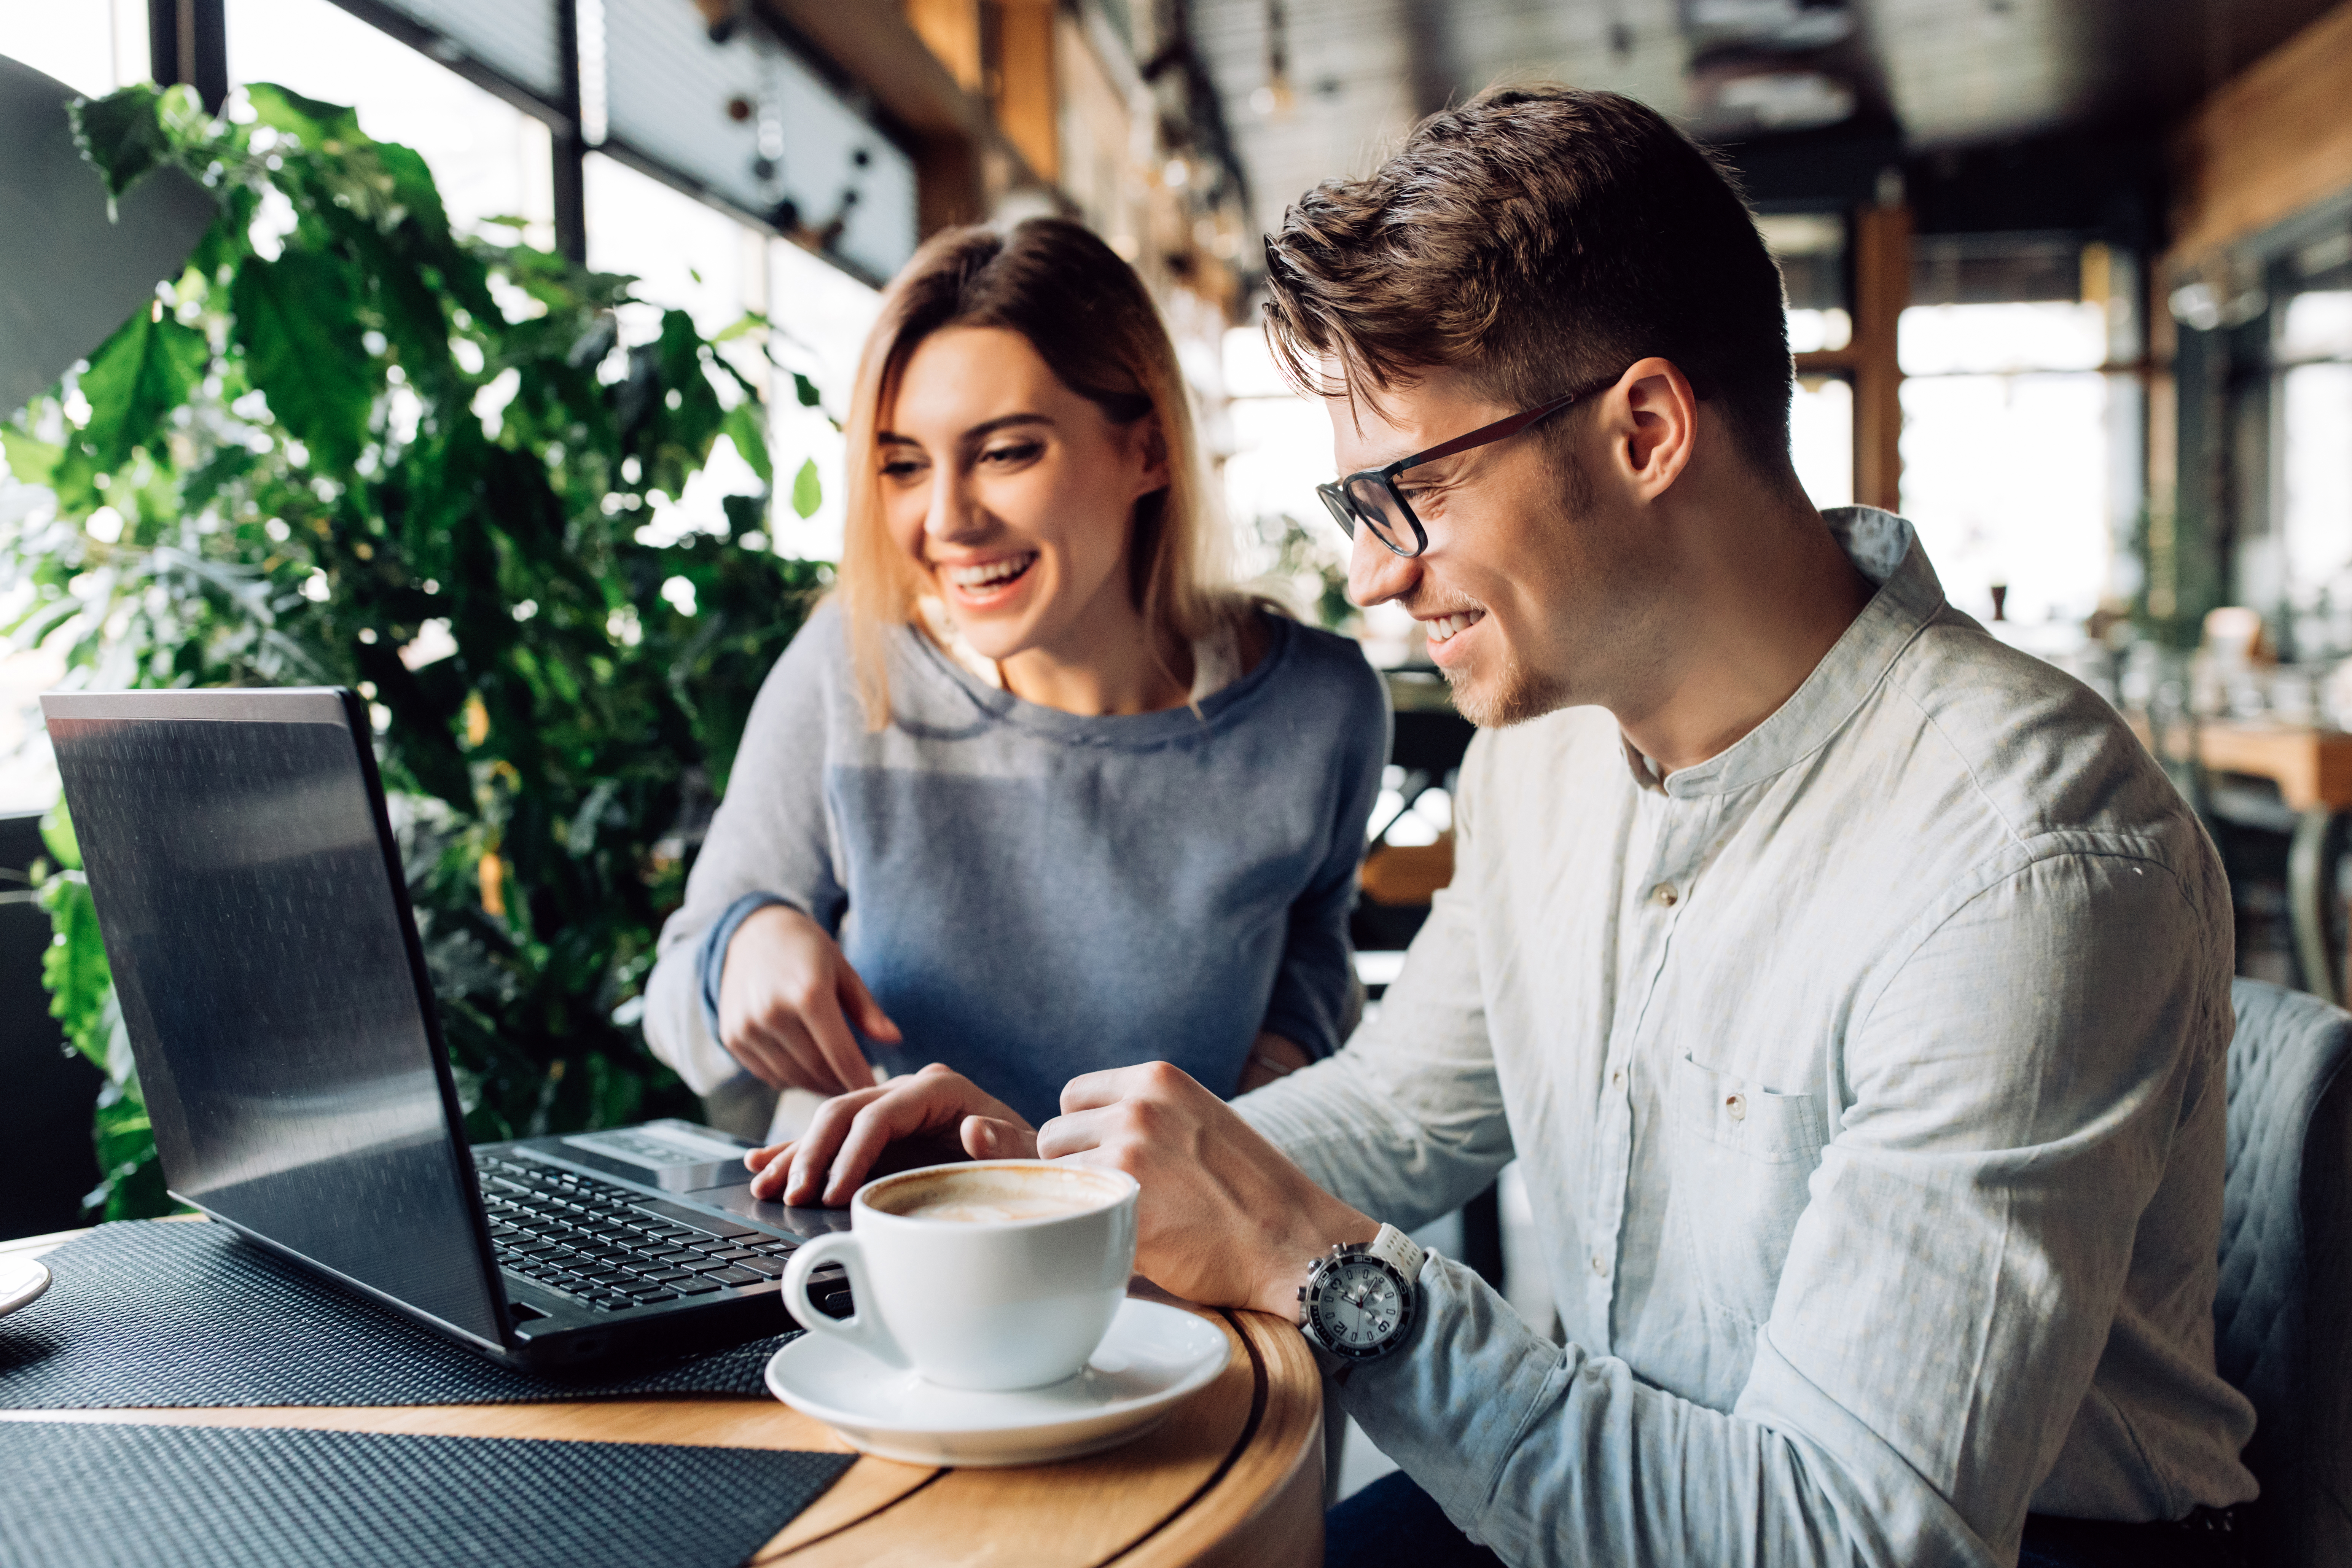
[349, 446]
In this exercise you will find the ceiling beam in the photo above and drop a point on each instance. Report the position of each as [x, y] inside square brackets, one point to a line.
[962, 163]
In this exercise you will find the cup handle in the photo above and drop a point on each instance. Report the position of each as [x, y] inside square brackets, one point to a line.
[862, 1328]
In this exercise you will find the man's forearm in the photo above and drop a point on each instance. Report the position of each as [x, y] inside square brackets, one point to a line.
[1348, 1136]
[1554, 1456]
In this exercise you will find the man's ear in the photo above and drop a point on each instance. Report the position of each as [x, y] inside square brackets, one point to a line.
[1660, 427]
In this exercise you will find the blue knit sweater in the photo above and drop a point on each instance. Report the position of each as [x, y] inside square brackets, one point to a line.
[1031, 894]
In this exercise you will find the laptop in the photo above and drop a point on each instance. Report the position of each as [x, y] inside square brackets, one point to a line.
[274, 990]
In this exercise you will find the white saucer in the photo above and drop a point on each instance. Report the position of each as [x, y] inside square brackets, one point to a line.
[21, 1280]
[1153, 1356]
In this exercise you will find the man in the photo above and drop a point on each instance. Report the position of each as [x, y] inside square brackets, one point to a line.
[1853, 990]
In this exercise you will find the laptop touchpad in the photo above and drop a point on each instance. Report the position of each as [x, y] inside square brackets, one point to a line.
[738, 1200]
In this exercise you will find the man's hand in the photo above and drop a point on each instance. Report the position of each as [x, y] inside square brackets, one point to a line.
[786, 999]
[929, 1117]
[1225, 1219]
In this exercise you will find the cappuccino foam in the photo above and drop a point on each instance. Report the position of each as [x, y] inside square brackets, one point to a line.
[996, 1196]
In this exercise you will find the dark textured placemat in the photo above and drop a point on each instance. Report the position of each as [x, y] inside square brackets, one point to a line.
[97, 1494]
[157, 1313]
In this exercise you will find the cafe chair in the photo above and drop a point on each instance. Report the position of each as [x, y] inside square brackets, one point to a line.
[2283, 1314]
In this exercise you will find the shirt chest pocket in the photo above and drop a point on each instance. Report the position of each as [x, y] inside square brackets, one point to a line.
[1743, 1159]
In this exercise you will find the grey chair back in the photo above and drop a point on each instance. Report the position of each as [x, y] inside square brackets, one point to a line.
[2283, 1323]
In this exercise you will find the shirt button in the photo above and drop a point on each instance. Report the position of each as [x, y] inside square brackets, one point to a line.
[1737, 1105]
[1600, 1264]
[1617, 1078]
[1664, 895]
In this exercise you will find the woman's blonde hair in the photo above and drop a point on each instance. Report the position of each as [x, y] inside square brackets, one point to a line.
[1088, 315]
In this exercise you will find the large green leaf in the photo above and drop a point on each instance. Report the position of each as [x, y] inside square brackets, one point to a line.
[136, 380]
[295, 322]
[73, 966]
[57, 836]
[808, 490]
[746, 427]
[122, 136]
[321, 126]
[29, 460]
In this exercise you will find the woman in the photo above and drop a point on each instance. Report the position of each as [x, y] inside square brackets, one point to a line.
[1027, 797]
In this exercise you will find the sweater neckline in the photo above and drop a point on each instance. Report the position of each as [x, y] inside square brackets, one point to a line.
[1117, 730]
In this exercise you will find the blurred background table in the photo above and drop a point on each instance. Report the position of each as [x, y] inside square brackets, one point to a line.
[1234, 1477]
[2311, 767]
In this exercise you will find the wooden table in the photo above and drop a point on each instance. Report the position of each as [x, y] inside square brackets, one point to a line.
[2313, 770]
[1234, 1476]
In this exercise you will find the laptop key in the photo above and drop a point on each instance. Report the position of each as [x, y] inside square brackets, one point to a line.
[765, 1267]
[696, 1286]
[647, 1298]
[735, 1276]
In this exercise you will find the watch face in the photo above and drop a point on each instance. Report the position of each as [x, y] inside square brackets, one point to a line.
[1357, 1307]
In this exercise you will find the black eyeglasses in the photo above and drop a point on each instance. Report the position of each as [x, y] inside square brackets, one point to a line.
[1371, 498]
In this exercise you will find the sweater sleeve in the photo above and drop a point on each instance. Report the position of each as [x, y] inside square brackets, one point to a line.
[1310, 990]
[771, 840]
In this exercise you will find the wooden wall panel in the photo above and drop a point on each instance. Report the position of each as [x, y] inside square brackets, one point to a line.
[1882, 287]
[1027, 87]
[2270, 142]
[951, 30]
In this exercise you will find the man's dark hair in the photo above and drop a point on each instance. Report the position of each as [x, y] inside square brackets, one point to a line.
[1539, 240]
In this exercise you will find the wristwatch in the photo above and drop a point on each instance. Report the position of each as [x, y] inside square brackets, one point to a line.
[1359, 1302]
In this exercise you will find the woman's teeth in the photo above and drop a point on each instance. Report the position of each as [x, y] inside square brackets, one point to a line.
[1443, 628]
[989, 573]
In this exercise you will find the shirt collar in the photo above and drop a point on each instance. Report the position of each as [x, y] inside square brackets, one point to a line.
[1884, 548]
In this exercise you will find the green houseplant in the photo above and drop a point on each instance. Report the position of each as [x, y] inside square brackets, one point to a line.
[349, 446]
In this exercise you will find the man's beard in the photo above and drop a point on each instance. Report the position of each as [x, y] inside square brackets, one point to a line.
[1513, 695]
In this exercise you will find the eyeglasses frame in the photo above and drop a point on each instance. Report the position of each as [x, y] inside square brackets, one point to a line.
[1334, 494]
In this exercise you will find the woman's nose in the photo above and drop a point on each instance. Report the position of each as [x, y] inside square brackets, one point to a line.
[951, 516]
[1377, 574]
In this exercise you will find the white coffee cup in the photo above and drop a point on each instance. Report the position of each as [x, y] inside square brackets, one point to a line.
[998, 1274]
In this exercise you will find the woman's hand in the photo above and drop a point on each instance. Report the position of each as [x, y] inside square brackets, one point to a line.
[929, 1117]
[786, 999]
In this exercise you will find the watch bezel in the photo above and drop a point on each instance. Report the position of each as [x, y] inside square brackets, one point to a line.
[1311, 1293]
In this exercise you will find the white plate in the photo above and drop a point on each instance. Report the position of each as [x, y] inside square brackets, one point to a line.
[1153, 1356]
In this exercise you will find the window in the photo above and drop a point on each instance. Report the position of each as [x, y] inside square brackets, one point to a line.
[1811, 248]
[2313, 438]
[1821, 438]
[91, 45]
[2018, 447]
[690, 256]
[489, 159]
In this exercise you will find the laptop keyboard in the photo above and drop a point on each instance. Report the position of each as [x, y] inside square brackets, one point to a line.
[612, 1248]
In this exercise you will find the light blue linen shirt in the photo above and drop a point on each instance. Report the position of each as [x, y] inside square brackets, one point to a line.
[1868, 1083]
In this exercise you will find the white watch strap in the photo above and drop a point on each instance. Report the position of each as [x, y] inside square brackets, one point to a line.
[1399, 1251]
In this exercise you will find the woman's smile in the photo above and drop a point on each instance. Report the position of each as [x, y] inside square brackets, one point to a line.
[987, 584]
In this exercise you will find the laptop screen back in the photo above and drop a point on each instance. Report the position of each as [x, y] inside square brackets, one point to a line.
[262, 954]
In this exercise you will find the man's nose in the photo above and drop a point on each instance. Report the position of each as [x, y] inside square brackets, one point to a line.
[1377, 574]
